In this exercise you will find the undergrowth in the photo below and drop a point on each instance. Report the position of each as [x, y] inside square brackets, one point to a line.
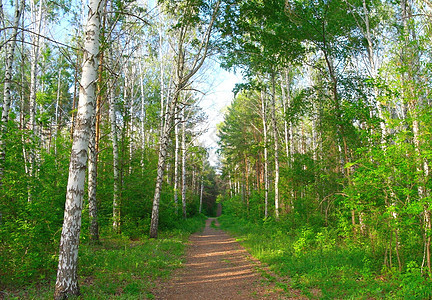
[321, 264]
[119, 267]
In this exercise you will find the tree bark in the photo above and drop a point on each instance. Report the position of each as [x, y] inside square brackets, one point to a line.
[56, 123]
[10, 55]
[35, 52]
[276, 146]
[161, 165]
[183, 121]
[114, 140]
[67, 278]
[176, 162]
[92, 183]
[266, 177]
[182, 80]
[201, 194]
[143, 113]
[94, 153]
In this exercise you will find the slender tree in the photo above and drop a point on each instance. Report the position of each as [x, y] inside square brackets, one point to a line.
[67, 278]
[183, 159]
[182, 78]
[10, 55]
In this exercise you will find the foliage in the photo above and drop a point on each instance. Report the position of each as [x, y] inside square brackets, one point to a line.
[121, 268]
[323, 264]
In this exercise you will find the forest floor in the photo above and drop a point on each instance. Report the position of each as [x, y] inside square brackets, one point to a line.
[217, 267]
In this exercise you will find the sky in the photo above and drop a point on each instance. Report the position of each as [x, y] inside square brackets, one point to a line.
[219, 85]
[214, 104]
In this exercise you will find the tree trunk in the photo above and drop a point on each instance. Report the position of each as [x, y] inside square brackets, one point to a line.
[176, 162]
[143, 113]
[93, 154]
[35, 52]
[56, 124]
[2, 22]
[286, 99]
[165, 131]
[201, 194]
[114, 140]
[276, 146]
[161, 65]
[10, 55]
[182, 80]
[67, 278]
[74, 100]
[92, 183]
[230, 186]
[266, 177]
[183, 120]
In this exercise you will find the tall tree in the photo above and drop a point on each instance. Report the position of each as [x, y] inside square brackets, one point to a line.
[183, 159]
[67, 278]
[183, 74]
[10, 55]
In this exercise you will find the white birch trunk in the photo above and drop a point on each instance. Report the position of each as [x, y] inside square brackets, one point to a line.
[143, 113]
[10, 55]
[35, 52]
[276, 148]
[182, 80]
[230, 186]
[266, 177]
[2, 22]
[93, 156]
[130, 122]
[161, 65]
[183, 120]
[92, 183]
[286, 96]
[114, 140]
[161, 166]
[176, 163]
[201, 194]
[67, 278]
[56, 123]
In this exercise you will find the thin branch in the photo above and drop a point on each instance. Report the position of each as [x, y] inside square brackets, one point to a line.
[39, 35]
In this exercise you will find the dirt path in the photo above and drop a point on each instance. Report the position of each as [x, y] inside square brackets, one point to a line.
[217, 267]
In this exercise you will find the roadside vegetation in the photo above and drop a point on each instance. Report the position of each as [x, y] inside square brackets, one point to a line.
[323, 263]
[118, 267]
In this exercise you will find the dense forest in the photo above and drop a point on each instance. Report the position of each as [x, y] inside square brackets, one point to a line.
[329, 138]
[324, 150]
[116, 82]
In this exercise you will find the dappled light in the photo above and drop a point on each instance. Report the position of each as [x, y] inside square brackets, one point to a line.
[303, 126]
[216, 267]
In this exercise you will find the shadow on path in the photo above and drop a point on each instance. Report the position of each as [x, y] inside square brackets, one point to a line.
[216, 267]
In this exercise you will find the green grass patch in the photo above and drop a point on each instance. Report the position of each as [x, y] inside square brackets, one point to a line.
[213, 224]
[120, 268]
[322, 265]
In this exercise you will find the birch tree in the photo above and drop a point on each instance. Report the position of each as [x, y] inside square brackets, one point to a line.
[115, 149]
[183, 75]
[176, 161]
[266, 176]
[37, 18]
[67, 277]
[276, 144]
[10, 55]
[183, 156]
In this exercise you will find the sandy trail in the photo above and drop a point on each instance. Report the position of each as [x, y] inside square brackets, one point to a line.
[216, 267]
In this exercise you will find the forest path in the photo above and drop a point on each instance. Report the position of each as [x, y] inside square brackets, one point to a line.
[216, 267]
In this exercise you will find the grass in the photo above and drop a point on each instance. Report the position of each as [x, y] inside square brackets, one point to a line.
[320, 266]
[213, 225]
[119, 268]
